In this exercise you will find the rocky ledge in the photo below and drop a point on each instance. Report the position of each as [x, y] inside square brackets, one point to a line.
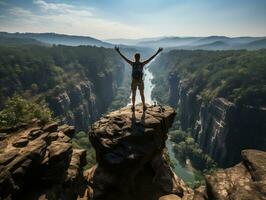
[38, 162]
[130, 151]
[244, 181]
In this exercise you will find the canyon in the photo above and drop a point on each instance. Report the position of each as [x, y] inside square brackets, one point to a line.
[39, 162]
[77, 83]
[211, 107]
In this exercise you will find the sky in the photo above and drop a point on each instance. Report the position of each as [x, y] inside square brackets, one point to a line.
[106, 19]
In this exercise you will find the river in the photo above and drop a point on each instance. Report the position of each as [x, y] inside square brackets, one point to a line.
[185, 173]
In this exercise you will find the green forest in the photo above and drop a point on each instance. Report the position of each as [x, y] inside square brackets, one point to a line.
[37, 69]
[239, 76]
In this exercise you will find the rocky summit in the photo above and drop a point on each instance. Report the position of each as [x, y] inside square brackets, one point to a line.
[130, 151]
[38, 162]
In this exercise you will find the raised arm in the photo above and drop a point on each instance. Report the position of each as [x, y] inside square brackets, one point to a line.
[124, 57]
[148, 60]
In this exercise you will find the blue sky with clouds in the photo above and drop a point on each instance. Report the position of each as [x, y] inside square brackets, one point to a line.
[135, 18]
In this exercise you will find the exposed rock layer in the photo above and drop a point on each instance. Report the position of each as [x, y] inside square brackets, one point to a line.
[83, 102]
[222, 128]
[130, 154]
[39, 163]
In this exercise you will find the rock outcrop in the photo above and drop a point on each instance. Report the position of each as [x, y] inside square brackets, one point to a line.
[130, 151]
[38, 162]
[244, 181]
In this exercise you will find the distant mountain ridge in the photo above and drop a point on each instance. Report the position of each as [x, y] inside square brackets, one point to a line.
[169, 43]
[204, 43]
[54, 38]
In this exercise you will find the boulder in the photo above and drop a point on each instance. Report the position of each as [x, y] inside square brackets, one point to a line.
[20, 142]
[67, 130]
[34, 134]
[52, 127]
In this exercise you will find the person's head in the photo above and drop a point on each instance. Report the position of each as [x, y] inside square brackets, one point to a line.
[137, 56]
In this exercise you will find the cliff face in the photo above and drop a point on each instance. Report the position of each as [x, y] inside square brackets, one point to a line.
[84, 102]
[38, 162]
[221, 127]
[131, 158]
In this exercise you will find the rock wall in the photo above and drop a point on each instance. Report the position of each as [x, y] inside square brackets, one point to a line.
[221, 128]
[85, 101]
[130, 151]
[38, 162]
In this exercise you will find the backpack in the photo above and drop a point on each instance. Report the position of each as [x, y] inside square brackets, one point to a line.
[137, 70]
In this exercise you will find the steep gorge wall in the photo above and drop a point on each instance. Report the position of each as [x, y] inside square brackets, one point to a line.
[78, 83]
[84, 102]
[221, 128]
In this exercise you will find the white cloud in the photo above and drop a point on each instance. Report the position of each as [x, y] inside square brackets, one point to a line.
[68, 19]
[63, 8]
[20, 12]
[52, 6]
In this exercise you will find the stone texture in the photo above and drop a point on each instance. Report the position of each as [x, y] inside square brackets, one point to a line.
[170, 197]
[50, 127]
[221, 128]
[245, 181]
[130, 154]
[44, 167]
[34, 133]
[20, 142]
[67, 130]
[256, 164]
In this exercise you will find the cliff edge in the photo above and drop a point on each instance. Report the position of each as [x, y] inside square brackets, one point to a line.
[130, 151]
[39, 162]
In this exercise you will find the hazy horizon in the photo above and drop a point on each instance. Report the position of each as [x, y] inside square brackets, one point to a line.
[140, 38]
[119, 19]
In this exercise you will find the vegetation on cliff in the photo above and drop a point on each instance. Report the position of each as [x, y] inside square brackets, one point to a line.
[185, 147]
[238, 76]
[38, 69]
[18, 110]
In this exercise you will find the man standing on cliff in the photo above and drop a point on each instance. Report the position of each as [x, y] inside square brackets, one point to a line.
[137, 74]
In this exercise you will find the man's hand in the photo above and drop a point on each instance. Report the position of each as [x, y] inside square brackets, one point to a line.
[160, 49]
[117, 48]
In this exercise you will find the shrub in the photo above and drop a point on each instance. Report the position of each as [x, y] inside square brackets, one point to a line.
[18, 110]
